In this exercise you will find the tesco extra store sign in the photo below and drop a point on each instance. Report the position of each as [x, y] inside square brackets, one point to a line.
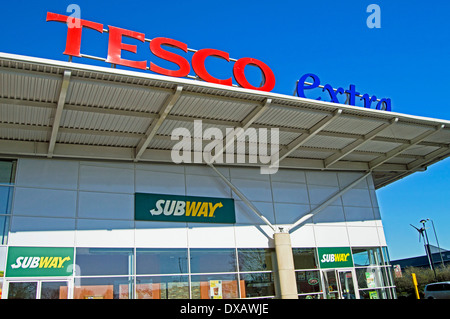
[157, 47]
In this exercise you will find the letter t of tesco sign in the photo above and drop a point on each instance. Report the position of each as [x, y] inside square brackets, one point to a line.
[115, 47]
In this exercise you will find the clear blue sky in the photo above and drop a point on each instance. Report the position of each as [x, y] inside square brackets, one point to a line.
[407, 60]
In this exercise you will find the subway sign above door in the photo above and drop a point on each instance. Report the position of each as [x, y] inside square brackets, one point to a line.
[175, 208]
[39, 261]
[335, 257]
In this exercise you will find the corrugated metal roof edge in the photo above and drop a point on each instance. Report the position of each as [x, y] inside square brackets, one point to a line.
[313, 104]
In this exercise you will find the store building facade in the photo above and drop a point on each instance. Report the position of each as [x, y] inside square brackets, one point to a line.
[93, 205]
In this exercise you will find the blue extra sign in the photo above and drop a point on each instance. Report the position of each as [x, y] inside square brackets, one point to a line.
[303, 84]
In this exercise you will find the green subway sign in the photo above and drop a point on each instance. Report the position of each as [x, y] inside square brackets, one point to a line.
[39, 261]
[175, 208]
[335, 257]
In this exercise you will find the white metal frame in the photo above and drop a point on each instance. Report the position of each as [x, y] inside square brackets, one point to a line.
[39, 281]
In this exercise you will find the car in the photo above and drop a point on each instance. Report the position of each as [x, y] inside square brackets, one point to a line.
[437, 290]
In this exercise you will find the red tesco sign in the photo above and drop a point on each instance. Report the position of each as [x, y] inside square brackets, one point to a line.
[116, 46]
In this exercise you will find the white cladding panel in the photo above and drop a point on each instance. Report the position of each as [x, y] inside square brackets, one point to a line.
[91, 204]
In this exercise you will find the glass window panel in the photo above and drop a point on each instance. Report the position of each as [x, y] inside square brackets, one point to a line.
[373, 294]
[104, 261]
[162, 287]
[315, 296]
[4, 229]
[54, 290]
[22, 290]
[257, 285]
[161, 261]
[223, 286]
[386, 258]
[308, 281]
[367, 256]
[370, 277]
[256, 259]
[5, 199]
[7, 172]
[103, 288]
[212, 260]
[304, 258]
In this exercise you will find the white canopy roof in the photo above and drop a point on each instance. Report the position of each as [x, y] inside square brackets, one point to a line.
[67, 110]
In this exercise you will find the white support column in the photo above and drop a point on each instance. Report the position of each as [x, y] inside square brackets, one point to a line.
[285, 265]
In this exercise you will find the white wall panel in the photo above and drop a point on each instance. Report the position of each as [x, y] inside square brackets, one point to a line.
[287, 214]
[357, 197]
[254, 190]
[106, 179]
[100, 196]
[322, 178]
[210, 236]
[33, 231]
[47, 173]
[346, 178]
[245, 216]
[289, 175]
[381, 236]
[359, 216]
[290, 193]
[259, 236]
[104, 233]
[106, 205]
[303, 237]
[319, 194]
[248, 173]
[331, 236]
[363, 236]
[45, 202]
[209, 186]
[160, 182]
[206, 170]
[331, 216]
[160, 234]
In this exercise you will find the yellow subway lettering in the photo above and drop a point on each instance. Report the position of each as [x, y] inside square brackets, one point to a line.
[192, 208]
[44, 262]
[212, 208]
[203, 210]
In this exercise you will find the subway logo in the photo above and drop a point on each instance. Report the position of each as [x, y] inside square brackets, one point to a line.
[39, 261]
[176, 208]
[335, 257]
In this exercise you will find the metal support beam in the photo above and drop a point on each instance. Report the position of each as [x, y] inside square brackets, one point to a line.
[58, 112]
[302, 139]
[156, 123]
[243, 198]
[248, 120]
[394, 152]
[353, 146]
[326, 203]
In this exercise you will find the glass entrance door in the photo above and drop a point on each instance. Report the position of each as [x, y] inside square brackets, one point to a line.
[346, 284]
[340, 284]
[39, 289]
[331, 284]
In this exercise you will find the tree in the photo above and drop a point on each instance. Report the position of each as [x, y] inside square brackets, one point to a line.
[404, 284]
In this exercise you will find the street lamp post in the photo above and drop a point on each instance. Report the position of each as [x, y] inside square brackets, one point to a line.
[437, 241]
[427, 247]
